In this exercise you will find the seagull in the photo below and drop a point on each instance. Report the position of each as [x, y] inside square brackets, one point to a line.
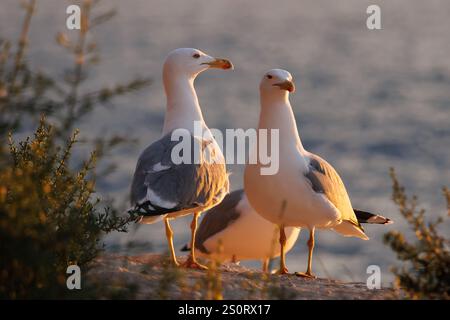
[233, 231]
[163, 187]
[306, 192]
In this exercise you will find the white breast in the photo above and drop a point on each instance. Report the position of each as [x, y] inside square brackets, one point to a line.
[287, 197]
[250, 237]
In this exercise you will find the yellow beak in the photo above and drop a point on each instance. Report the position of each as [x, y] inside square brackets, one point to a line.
[286, 85]
[220, 64]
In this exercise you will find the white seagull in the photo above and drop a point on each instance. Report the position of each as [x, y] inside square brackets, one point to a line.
[306, 192]
[234, 231]
[164, 188]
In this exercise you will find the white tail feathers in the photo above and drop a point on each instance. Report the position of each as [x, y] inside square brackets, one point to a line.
[348, 229]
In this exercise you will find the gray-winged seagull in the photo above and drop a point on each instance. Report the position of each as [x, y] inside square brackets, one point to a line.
[306, 191]
[234, 231]
[163, 187]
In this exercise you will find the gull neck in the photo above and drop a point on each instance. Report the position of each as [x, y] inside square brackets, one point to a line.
[182, 107]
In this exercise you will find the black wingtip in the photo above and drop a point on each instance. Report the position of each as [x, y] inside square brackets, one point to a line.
[134, 215]
[185, 248]
[371, 218]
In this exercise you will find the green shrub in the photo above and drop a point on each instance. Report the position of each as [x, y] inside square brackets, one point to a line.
[426, 269]
[48, 217]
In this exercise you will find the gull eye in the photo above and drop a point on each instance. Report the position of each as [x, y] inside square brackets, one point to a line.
[269, 76]
[196, 56]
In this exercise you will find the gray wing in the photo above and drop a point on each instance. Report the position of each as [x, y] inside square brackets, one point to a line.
[218, 218]
[159, 186]
[324, 179]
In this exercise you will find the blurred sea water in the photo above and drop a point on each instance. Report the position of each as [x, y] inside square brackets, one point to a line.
[366, 100]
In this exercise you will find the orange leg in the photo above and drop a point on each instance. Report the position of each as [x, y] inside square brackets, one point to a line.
[308, 273]
[283, 268]
[191, 261]
[265, 265]
[169, 235]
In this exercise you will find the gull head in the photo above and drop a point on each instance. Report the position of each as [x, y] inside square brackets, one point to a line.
[277, 82]
[190, 62]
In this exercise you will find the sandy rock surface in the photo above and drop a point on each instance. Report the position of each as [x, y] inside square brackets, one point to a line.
[151, 277]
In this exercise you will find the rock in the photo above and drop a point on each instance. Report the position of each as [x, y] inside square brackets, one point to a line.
[151, 276]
